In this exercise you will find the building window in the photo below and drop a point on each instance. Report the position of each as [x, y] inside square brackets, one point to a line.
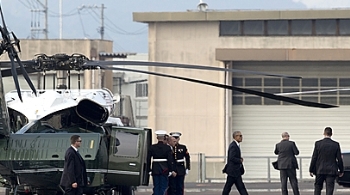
[326, 27]
[318, 90]
[277, 27]
[301, 27]
[316, 27]
[344, 27]
[255, 27]
[142, 90]
[230, 28]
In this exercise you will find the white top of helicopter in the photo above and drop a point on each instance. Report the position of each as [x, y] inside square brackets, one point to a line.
[50, 101]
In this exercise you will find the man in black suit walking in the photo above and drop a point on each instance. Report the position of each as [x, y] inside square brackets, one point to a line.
[325, 163]
[234, 167]
[74, 176]
[287, 163]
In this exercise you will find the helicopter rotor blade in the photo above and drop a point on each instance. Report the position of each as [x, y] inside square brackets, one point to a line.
[187, 66]
[12, 53]
[14, 74]
[25, 74]
[258, 93]
[312, 92]
[7, 72]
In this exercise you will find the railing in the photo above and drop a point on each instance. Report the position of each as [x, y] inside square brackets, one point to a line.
[257, 168]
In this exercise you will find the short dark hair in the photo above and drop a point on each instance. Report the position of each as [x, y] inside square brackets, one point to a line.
[328, 131]
[74, 138]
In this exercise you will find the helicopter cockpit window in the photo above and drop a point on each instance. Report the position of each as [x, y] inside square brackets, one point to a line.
[126, 144]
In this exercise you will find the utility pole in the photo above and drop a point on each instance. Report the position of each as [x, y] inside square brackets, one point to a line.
[35, 26]
[60, 10]
[102, 28]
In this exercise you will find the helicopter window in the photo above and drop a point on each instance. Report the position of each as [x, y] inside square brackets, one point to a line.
[128, 144]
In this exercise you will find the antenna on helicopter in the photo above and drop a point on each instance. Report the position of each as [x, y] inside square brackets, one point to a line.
[7, 45]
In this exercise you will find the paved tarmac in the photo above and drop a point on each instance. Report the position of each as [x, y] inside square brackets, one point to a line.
[306, 188]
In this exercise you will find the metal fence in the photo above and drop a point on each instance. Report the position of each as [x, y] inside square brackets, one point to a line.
[208, 169]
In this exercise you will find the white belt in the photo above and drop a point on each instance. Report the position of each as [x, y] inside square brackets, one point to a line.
[180, 160]
[160, 160]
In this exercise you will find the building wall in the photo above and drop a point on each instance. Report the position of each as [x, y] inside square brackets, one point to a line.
[193, 109]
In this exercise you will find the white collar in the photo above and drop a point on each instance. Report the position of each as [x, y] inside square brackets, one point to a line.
[76, 149]
[236, 142]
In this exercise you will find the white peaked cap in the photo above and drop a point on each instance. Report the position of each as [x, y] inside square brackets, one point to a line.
[160, 132]
[176, 134]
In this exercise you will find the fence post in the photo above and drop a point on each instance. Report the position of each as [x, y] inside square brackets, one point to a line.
[202, 168]
[301, 168]
[268, 170]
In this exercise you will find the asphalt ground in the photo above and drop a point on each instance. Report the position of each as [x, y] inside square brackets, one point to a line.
[305, 188]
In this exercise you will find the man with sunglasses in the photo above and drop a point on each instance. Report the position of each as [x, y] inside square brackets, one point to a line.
[74, 176]
[234, 167]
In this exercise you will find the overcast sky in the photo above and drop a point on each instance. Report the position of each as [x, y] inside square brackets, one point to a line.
[128, 36]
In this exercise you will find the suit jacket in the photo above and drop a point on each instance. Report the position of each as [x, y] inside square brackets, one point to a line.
[326, 158]
[286, 151]
[161, 151]
[180, 152]
[74, 169]
[234, 166]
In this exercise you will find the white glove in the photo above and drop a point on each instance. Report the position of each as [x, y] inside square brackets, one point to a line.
[186, 171]
[170, 173]
[150, 173]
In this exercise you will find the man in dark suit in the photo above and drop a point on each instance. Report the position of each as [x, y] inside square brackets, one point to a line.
[182, 162]
[287, 163]
[234, 167]
[74, 176]
[326, 163]
[162, 165]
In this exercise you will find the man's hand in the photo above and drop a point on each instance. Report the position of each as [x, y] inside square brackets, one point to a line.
[74, 185]
[311, 174]
[341, 174]
[186, 171]
[174, 174]
[241, 159]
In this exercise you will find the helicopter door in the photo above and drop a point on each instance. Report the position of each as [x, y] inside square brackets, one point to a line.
[128, 156]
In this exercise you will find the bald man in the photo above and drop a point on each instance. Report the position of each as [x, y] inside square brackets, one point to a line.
[287, 163]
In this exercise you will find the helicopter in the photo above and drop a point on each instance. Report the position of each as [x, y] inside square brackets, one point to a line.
[36, 124]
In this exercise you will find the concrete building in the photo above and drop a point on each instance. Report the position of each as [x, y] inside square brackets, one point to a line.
[313, 44]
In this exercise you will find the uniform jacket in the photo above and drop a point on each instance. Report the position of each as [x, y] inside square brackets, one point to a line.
[326, 158]
[234, 166]
[161, 151]
[74, 169]
[180, 152]
[286, 151]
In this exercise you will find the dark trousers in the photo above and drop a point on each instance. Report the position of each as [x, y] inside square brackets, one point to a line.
[320, 178]
[292, 175]
[172, 186]
[160, 184]
[73, 191]
[179, 182]
[239, 185]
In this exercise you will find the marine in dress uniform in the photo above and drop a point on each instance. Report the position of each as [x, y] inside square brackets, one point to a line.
[162, 164]
[182, 161]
